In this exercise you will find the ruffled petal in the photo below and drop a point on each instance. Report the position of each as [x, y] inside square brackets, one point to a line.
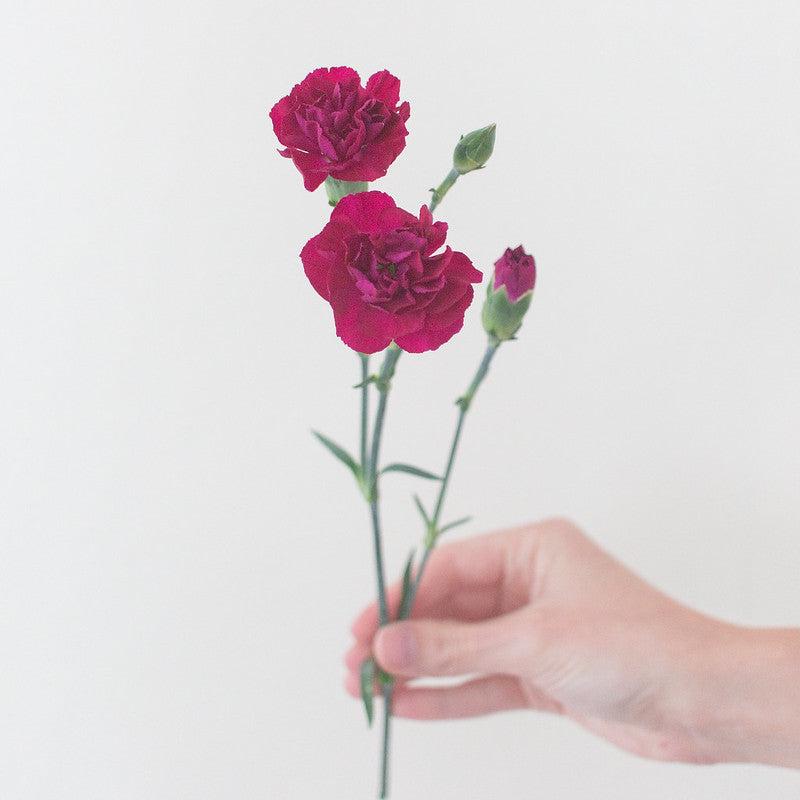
[364, 210]
[361, 326]
[384, 86]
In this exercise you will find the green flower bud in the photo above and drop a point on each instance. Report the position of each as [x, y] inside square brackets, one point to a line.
[473, 150]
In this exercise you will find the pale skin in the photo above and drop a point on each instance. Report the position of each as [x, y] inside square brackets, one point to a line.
[539, 617]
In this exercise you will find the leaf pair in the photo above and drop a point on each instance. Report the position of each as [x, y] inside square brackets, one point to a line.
[358, 470]
[433, 531]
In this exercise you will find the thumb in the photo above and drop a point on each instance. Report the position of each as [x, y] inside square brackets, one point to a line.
[442, 647]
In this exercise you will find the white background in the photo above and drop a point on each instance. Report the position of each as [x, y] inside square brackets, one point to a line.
[180, 561]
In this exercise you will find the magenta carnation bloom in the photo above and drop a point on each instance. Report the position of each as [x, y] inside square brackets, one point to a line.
[516, 270]
[332, 125]
[378, 267]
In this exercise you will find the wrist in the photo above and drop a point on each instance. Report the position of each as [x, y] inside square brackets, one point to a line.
[746, 705]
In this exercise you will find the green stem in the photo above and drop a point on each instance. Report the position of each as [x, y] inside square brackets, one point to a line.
[462, 412]
[387, 718]
[384, 384]
[443, 188]
[383, 610]
[364, 409]
[464, 404]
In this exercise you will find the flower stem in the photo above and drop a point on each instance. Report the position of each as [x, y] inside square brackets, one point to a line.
[383, 610]
[443, 188]
[364, 408]
[464, 403]
[383, 384]
[387, 718]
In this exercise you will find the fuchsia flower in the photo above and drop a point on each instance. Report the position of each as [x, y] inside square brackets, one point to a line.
[378, 267]
[509, 294]
[516, 270]
[331, 125]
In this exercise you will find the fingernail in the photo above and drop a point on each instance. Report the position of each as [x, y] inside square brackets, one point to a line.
[395, 648]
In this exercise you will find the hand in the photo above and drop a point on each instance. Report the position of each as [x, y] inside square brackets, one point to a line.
[541, 618]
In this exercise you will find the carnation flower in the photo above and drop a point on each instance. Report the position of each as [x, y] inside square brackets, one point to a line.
[332, 125]
[378, 267]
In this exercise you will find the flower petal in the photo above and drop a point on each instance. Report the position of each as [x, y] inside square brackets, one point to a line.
[361, 326]
[363, 210]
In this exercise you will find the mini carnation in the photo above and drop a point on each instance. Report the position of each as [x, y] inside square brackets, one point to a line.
[332, 125]
[386, 277]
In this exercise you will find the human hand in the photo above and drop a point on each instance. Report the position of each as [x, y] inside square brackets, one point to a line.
[541, 618]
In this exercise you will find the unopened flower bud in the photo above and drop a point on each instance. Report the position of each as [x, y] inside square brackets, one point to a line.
[473, 150]
[509, 294]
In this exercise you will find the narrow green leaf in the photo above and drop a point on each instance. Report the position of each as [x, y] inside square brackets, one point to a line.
[341, 454]
[422, 511]
[451, 525]
[420, 473]
[368, 686]
[367, 382]
[405, 593]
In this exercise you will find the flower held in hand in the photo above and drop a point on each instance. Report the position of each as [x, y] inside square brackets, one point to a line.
[332, 125]
[378, 267]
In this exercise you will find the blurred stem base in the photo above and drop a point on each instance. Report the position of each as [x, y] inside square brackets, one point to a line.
[387, 722]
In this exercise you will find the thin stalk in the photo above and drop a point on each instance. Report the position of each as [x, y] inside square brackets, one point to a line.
[383, 609]
[443, 188]
[377, 432]
[387, 717]
[462, 412]
[384, 385]
[364, 409]
[464, 403]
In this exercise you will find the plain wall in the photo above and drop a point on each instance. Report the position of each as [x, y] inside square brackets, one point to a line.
[180, 560]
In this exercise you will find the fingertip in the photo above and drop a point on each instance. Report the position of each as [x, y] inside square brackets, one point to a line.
[355, 656]
[352, 684]
[365, 624]
[395, 648]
